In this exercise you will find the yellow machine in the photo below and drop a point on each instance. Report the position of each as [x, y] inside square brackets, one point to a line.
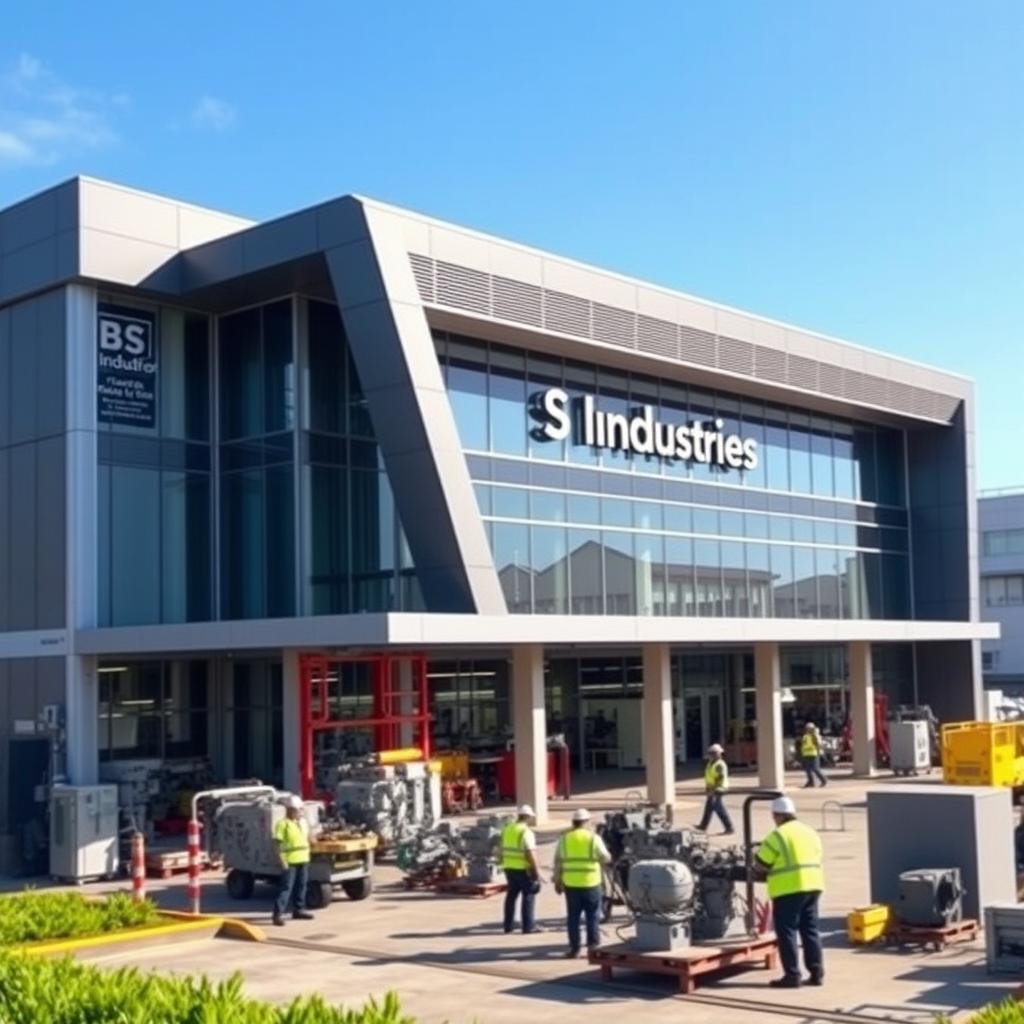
[867, 924]
[983, 753]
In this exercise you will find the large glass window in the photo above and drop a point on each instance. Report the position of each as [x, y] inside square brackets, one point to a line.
[1003, 542]
[997, 591]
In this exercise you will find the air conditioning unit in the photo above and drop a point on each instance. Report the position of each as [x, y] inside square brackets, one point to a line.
[83, 832]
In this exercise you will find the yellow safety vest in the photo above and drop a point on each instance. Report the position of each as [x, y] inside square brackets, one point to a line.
[792, 854]
[809, 745]
[577, 854]
[513, 846]
[293, 837]
[711, 776]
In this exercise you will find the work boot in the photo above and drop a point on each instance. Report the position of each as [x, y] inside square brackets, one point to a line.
[532, 931]
[302, 915]
[571, 954]
[728, 832]
[279, 920]
[785, 982]
[816, 979]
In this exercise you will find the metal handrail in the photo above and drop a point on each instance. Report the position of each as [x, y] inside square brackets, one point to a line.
[748, 850]
[824, 816]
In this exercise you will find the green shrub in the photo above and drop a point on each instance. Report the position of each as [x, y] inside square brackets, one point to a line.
[35, 916]
[68, 992]
[1008, 1012]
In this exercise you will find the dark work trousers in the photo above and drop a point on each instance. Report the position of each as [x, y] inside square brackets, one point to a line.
[714, 803]
[588, 903]
[519, 883]
[291, 888]
[798, 914]
[812, 765]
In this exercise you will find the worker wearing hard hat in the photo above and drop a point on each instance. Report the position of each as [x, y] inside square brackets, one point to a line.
[522, 874]
[579, 858]
[716, 785]
[810, 755]
[789, 858]
[291, 834]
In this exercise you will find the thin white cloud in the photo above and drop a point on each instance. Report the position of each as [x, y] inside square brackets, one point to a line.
[44, 119]
[213, 113]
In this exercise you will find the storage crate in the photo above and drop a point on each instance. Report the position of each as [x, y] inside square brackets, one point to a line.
[983, 753]
[867, 924]
[454, 765]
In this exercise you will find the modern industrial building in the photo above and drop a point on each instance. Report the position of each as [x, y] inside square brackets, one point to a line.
[595, 507]
[1001, 523]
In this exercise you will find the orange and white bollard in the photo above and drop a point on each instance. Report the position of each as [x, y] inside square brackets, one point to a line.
[138, 867]
[193, 866]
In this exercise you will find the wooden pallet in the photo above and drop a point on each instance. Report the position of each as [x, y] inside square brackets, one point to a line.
[172, 862]
[938, 937]
[686, 965]
[480, 890]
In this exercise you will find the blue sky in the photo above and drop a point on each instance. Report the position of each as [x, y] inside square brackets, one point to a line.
[856, 168]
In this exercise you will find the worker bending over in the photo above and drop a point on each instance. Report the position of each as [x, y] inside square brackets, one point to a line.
[716, 785]
[790, 859]
[291, 834]
[579, 858]
[519, 862]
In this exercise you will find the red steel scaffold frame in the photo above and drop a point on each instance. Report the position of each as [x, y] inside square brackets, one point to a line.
[393, 705]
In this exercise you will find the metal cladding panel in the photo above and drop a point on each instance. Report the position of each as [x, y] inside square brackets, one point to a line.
[964, 827]
[459, 287]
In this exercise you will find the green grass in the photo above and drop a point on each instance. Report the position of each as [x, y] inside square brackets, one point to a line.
[67, 992]
[1008, 1012]
[38, 916]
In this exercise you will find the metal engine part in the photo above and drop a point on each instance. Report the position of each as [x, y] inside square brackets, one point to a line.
[661, 895]
[930, 898]
[481, 847]
[447, 851]
[639, 835]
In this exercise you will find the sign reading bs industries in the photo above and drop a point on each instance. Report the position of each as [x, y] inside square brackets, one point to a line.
[126, 370]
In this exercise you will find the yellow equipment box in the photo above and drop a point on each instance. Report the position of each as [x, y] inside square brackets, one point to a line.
[983, 753]
[866, 924]
[454, 765]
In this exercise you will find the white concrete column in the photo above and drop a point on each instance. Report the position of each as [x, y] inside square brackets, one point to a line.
[862, 707]
[768, 685]
[290, 719]
[659, 754]
[81, 709]
[530, 728]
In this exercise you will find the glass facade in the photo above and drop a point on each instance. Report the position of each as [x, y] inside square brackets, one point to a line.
[816, 529]
[258, 428]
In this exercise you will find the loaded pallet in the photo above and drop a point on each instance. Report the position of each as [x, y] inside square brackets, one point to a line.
[686, 965]
[164, 863]
[938, 937]
[480, 890]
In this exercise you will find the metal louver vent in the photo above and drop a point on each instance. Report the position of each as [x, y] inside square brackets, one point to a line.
[614, 326]
[516, 300]
[423, 271]
[459, 287]
[735, 356]
[463, 287]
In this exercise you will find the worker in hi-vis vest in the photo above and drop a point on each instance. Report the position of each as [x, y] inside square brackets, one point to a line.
[579, 860]
[716, 785]
[519, 862]
[810, 755]
[789, 859]
[291, 834]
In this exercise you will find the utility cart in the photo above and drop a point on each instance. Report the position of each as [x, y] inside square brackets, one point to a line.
[340, 858]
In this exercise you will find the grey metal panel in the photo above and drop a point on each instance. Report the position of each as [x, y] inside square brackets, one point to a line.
[22, 692]
[279, 240]
[5, 539]
[50, 681]
[5, 377]
[51, 347]
[943, 669]
[941, 827]
[24, 317]
[51, 598]
[32, 268]
[29, 222]
[22, 510]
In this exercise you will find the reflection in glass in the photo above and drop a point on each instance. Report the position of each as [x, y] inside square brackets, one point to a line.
[550, 570]
[650, 574]
[680, 594]
[507, 407]
[511, 546]
[619, 573]
[805, 583]
[830, 605]
[782, 577]
[586, 572]
[707, 560]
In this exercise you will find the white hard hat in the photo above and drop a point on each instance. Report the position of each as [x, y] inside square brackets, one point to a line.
[716, 748]
[294, 802]
[525, 811]
[581, 815]
[783, 805]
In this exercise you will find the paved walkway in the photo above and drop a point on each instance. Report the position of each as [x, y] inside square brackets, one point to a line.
[450, 962]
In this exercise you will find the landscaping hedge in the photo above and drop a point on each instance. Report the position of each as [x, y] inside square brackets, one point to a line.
[37, 916]
[68, 992]
[1008, 1012]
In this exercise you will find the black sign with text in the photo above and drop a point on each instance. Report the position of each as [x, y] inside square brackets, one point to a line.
[126, 366]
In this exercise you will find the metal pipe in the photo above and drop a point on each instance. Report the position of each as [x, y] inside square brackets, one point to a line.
[748, 849]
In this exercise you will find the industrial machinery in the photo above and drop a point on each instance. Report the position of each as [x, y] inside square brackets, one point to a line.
[930, 898]
[340, 857]
[393, 800]
[639, 836]
[447, 852]
[910, 747]
[1004, 938]
[83, 832]
[661, 896]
